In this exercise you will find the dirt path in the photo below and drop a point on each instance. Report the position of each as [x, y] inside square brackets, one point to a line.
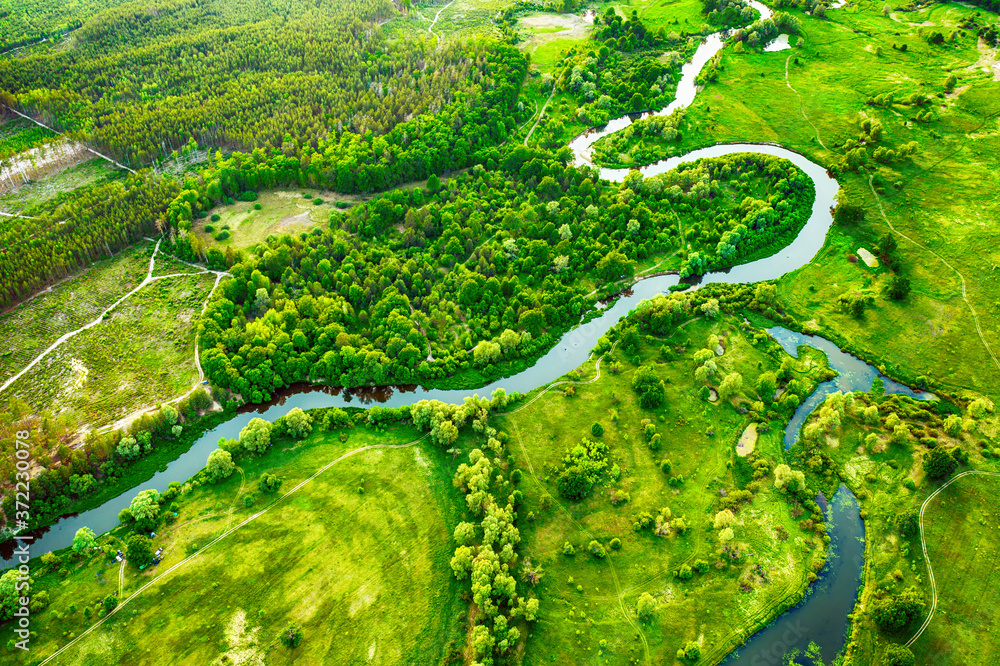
[121, 579]
[430, 28]
[619, 592]
[965, 297]
[541, 114]
[227, 532]
[927, 559]
[802, 109]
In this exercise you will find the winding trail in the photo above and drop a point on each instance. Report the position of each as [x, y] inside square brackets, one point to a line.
[149, 279]
[229, 530]
[802, 108]
[923, 544]
[66, 336]
[965, 297]
[430, 28]
[121, 579]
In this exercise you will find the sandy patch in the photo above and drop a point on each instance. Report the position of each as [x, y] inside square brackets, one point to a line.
[242, 642]
[748, 440]
[363, 598]
[987, 59]
[868, 258]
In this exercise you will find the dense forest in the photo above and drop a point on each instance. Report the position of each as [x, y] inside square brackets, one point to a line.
[142, 79]
[424, 284]
[104, 218]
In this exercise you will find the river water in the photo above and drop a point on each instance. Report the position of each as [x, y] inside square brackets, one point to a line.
[822, 616]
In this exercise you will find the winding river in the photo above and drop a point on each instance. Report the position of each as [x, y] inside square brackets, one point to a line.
[822, 616]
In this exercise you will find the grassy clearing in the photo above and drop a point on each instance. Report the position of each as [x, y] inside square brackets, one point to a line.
[932, 333]
[281, 212]
[590, 604]
[365, 574]
[34, 194]
[963, 537]
[32, 326]
[141, 354]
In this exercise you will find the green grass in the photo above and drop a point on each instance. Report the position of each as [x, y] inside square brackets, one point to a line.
[32, 195]
[140, 355]
[366, 575]
[33, 325]
[960, 529]
[710, 607]
[282, 212]
[963, 537]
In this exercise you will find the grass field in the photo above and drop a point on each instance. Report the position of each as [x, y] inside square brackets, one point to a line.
[963, 538]
[281, 212]
[590, 614]
[35, 324]
[140, 355]
[365, 574]
[821, 107]
[30, 196]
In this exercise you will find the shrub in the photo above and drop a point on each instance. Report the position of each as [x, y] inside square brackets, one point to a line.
[110, 603]
[291, 635]
[317, 201]
[257, 206]
[666, 466]
[568, 549]
[249, 195]
[897, 655]
[897, 611]
[596, 549]
[222, 235]
[269, 483]
[616, 544]
[939, 464]
[215, 217]
[597, 430]
[209, 229]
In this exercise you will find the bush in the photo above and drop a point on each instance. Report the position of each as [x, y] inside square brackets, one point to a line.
[939, 464]
[215, 217]
[666, 466]
[317, 201]
[209, 229]
[616, 544]
[249, 195]
[596, 549]
[257, 206]
[597, 430]
[291, 635]
[896, 612]
[515, 476]
[269, 483]
[222, 235]
[568, 549]
[110, 603]
[897, 655]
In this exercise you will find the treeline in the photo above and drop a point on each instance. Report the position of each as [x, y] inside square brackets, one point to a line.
[466, 277]
[69, 474]
[104, 218]
[92, 223]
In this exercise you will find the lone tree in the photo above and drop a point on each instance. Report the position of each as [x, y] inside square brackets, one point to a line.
[291, 635]
[897, 655]
[897, 611]
[110, 602]
[939, 464]
[649, 386]
[256, 436]
[220, 465]
[298, 424]
[269, 483]
[84, 540]
[646, 606]
[139, 550]
[145, 509]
